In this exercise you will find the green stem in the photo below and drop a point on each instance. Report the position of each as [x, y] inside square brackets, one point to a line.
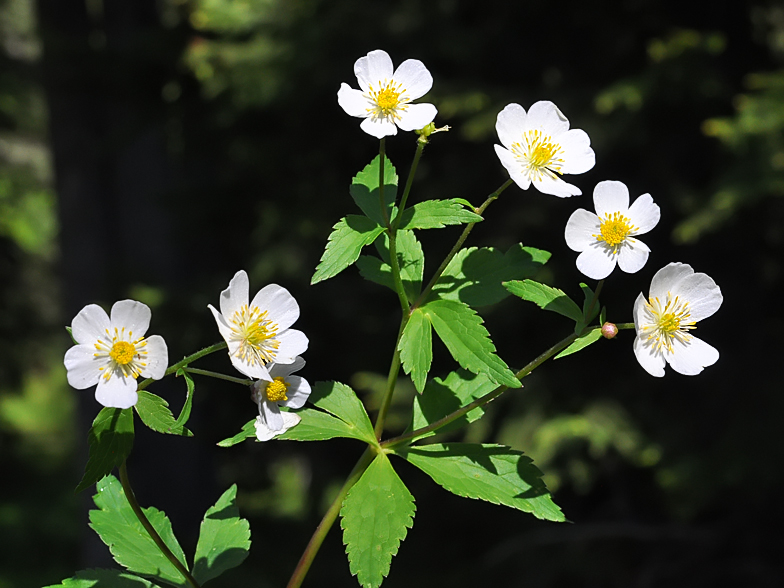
[594, 299]
[396, 278]
[622, 326]
[137, 510]
[382, 151]
[193, 357]
[490, 396]
[329, 518]
[409, 182]
[466, 231]
[394, 371]
[216, 375]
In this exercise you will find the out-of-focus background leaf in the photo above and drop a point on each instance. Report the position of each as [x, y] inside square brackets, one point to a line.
[151, 149]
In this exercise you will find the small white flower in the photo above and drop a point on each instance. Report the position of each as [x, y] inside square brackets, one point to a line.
[112, 352]
[538, 148]
[678, 299]
[283, 389]
[384, 98]
[258, 333]
[607, 238]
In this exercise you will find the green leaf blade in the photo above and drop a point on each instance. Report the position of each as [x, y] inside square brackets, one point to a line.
[110, 441]
[375, 518]
[104, 579]
[154, 412]
[436, 214]
[344, 245]
[546, 297]
[581, 342]
[416, 348]
[341, 401]
[365, 191]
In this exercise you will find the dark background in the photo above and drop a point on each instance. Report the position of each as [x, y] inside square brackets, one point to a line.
[151, 149]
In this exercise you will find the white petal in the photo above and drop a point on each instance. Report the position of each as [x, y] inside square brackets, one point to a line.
[236, 295]
[633, 256]
[90, 324]
[702, 293]
[639, 312]
[352, 101]
[610, 196]
[644, 214]
[255, 371]
[510, 124]
[690, 358]
[270, 414]
[157, 359]
[298, 392]
[416, 116]
[264, 433]
[375, 67]
[668, 277]
[556, 187]
[545, 116]
[596, 262]
[292, 344]
[414, 78]
[223, 326]
[651, 360]
[283, 370]
[577, 153]
[132, 315]
[378, 128]
[580, 230]
[513, 167]
[117, 392]
[83, 367]
[282, 308]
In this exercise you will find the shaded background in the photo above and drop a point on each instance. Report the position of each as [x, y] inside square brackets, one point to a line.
[151, 149]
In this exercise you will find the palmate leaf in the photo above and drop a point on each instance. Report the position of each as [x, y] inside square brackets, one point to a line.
[475, 275]
[129, 542]
[154, 412]
[104, 579]
[495, 473]
[364, 191]
[546, 297]
[416, 348]
[111, 441]
[345, 243]
[411, 260]
[224, 539]
[582, 342]
[375, 517]
[436, 214]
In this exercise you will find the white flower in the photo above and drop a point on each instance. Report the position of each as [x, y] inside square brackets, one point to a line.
[112, 352]
[678, 299]
[608, 237]
[258, 333]
[283, 389]
[384, 98]
[538, 148]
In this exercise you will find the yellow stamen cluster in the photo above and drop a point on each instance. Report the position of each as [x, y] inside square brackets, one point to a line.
[539, 155]
[387, 101]
[670, 322]
[126, 355]
[256, 335]
[276, 390]
[614, 229]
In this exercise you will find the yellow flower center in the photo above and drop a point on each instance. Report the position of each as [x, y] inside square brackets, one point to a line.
[670, 322]
[256, 335]
[126, 354]
[614, 229]
[538, 154]
[276, 390]
[122, 352]
[388, 100]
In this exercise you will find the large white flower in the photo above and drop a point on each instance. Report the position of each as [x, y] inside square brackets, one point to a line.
[112, 352]
[678, 299]
[283, 389]
[384, 98]
[258, 333]
[608, 238]
[538, 148]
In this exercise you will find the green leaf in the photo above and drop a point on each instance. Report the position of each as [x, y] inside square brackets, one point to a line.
[345, 243]
[111, 441]
[588, 294]
[185, 413]
[342, 402]
[546, 297]
[319, 426]
[581, 342]
[436, 214]
[495, 473]
[443, 397]
[416, 348]
[364, 191]
[461, 330]
[224, 539]
[411, 260]
[154, 412]
[70, 334]
[104, 579]
[248, 431]
[475, 276]
[129, 542]
[375, 517]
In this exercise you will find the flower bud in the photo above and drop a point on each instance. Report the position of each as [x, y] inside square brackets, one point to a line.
[609, 330]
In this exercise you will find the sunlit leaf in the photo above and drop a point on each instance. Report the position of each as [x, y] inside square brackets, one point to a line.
[342, 402]
[436, 214]
[364, 191]
[154, 412]
[582, 342]
[416, 348]
[104, 579]
[110, 441]
[546, 297]
[345, 243]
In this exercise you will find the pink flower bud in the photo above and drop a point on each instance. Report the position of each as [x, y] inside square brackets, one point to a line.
[609, 330]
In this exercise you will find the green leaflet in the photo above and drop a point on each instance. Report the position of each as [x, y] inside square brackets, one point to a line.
[345, 243]
[495, 473]
[105, 579]
[461, 330]
[416, 348]
[319, 426]
[436, 214]
[581, 342]
[364, 191]
[546, 297]
[342, 402]
[375, 517]
[110, 440]
[154, 412]
[129, 542]
[475, 275]
[185, 413]
[411, 260]
[224, 539]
